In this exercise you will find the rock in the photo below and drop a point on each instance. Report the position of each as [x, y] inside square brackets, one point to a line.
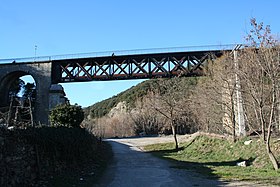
[242, 164]
[120, 109]
[11, 128]
[142, 134]
[248, 142]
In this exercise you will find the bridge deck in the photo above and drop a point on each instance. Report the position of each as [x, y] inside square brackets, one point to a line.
[132, 64]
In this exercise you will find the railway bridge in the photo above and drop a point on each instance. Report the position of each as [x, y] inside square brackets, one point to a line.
[104, 66]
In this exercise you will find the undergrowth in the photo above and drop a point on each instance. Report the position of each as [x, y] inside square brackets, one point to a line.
[65, 156]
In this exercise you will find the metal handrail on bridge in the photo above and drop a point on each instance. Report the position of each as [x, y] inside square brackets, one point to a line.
[119, 53]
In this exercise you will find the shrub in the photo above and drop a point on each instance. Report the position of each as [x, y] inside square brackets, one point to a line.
[67, 115]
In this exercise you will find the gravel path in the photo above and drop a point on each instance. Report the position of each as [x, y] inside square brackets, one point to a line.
[131, 167]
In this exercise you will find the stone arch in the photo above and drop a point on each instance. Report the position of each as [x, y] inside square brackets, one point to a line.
[41, 74]
[6, 83]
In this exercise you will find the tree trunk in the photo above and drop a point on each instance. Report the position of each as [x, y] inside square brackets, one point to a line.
[268, 150]
[233, 119]
[174, 134]
[278, 116]
[262, 123]
[277, 92]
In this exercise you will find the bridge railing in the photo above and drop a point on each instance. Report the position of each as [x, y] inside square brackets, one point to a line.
[119, 53]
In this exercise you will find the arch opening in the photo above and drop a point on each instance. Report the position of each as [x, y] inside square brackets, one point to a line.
[18, 93]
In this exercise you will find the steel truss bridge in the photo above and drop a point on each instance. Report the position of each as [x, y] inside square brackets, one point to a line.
[133, 64]
[111, 65]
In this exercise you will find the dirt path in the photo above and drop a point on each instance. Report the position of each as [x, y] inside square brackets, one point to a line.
[132, 167]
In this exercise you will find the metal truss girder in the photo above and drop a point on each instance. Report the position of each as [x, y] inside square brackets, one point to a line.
[159, 66]
[100, 67]
[132, 66]
[179, 64]
[119, 67]
[139, 66]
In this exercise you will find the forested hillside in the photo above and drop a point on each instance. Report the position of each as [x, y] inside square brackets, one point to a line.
[129, 96]
[138, 115]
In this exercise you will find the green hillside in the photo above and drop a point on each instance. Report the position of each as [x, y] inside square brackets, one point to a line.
[129, 96]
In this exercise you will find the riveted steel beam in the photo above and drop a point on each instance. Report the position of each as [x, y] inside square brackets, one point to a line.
[132, 66]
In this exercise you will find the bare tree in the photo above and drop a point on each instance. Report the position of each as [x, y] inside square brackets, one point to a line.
[214, 99]
[260, 77]
[168, 100]
[206, 112]
[146, 120]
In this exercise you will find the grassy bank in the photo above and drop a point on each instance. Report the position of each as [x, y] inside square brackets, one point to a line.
[217, 158]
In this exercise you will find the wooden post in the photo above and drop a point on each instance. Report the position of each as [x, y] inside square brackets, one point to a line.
[30, 112]
[10, 111]
[16, 114]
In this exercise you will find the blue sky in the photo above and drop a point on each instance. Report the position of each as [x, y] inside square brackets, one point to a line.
[67, 26]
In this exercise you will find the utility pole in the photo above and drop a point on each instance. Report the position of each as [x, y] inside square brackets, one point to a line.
[35, 53]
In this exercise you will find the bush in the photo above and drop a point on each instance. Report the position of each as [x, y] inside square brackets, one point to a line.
[67, 115]
[70, 145]
[51, 156]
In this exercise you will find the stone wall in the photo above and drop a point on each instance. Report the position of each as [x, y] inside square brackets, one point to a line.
[17, 160]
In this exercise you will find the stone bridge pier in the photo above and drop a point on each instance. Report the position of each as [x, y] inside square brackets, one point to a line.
[41, 73]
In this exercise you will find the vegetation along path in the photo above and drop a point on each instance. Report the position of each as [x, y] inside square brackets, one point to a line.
[133, 167]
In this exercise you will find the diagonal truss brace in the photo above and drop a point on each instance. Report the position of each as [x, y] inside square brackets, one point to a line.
[132, 66]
